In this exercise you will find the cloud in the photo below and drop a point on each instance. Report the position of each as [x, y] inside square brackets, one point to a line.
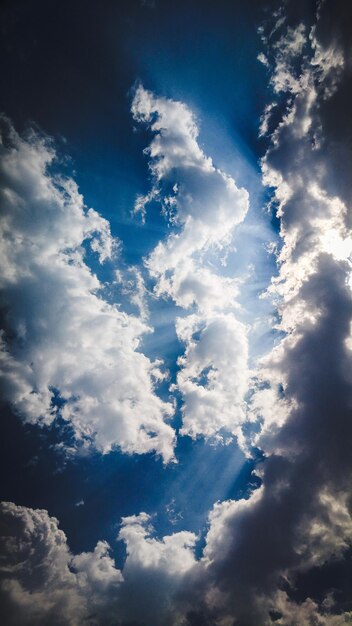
[41, 581]
[257, 550]
[154, 572]
[300, 519]
[213, 374]
[61, 337]
[203, 204]
[194, 193]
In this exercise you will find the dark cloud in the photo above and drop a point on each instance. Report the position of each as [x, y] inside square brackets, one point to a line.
[302, 519]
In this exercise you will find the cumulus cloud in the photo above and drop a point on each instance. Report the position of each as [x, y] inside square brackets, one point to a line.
[41, 581]
[200, 198]
[154, 572]
[204, 205]
[61, 338]
[213, 374]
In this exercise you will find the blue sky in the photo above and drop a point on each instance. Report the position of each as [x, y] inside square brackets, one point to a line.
[176, 313]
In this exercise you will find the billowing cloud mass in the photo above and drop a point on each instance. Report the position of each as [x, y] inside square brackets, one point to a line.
[261, 557]
[41, 581]
[300, 519]
[204, 205]
[62, 339]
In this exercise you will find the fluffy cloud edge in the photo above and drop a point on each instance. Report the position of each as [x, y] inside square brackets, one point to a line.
[62, 338]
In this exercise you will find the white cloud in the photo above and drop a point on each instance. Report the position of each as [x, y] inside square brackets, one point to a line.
[213, 374]
[194, 193]
[196, 285]
[221, 533]
[206, 205]
[60, 334]
[171, 556]
[154, 572]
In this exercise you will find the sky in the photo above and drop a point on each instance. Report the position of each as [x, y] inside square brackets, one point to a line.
[175, 350]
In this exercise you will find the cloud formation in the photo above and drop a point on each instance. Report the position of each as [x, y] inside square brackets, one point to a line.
[257, 550]
[41, 581]
[61, 338]
[204, 205]
[300, 519]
